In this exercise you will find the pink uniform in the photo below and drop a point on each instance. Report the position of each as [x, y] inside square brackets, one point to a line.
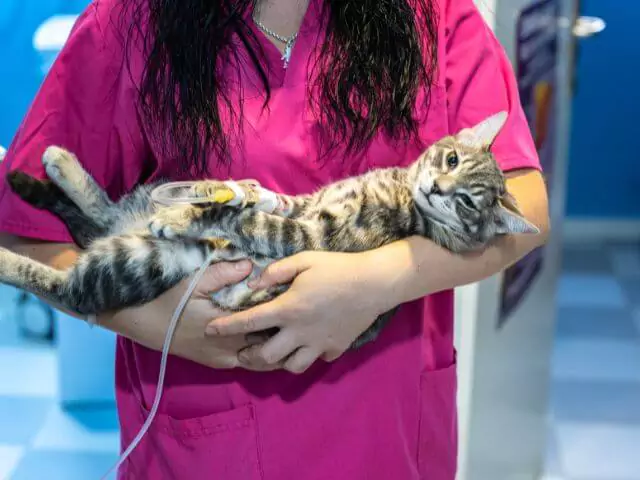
[387, 411]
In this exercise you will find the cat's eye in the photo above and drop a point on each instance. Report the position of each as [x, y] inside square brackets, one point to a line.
[452, 161]
[466, 201]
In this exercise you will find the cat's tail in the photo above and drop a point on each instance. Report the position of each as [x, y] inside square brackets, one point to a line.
[34, 277]
[46, 195]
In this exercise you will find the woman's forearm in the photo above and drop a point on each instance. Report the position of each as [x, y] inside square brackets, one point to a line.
[417, 267]
[56, 255]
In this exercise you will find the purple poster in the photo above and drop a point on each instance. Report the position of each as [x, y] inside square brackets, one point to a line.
[536, 59]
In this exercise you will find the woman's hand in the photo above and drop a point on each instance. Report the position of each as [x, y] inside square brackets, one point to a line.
[334, 298]
[148, 324]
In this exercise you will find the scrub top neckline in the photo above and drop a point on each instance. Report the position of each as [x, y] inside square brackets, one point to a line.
[280, 76]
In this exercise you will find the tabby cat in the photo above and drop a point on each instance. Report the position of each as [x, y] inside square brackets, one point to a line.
[135, 249]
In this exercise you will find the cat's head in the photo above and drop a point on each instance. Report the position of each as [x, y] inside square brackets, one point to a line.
[460, 187]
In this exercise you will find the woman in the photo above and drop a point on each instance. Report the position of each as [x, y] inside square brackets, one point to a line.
[306, 93]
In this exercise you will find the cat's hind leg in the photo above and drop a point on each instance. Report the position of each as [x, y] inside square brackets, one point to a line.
[46, 195]
[34, 277]
[115, 273]
[64, 169]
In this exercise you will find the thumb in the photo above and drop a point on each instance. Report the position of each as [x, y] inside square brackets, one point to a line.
[281, 272]
[222, 274]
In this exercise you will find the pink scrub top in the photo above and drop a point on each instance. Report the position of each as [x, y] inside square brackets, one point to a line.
[385, 411]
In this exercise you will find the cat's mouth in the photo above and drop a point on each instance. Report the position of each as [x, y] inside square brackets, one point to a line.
[427, 196]
[435, 214]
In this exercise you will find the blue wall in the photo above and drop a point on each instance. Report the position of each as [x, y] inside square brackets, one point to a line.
[604, 162]
[85, 356]
[20, 74]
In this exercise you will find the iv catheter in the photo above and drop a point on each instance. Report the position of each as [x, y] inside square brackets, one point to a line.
[247, 193]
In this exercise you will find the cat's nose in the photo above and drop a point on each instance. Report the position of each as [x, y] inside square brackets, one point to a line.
[444, 185]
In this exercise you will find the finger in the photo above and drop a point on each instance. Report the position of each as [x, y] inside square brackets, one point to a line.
[272, 352]
[301, 360]
[250, 359]
[281, 272]
[258, 318]
[332, 355]
[225, 363]
[261, 337]
[261, 368]
[221, 274]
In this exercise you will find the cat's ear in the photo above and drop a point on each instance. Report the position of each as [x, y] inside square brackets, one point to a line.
[510, 219]
[484, 133]
[509, 202]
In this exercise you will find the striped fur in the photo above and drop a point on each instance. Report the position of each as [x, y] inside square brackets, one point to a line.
[453, 194]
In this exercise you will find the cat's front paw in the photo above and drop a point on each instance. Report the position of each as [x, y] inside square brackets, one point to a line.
[170, 222]
[212, 190]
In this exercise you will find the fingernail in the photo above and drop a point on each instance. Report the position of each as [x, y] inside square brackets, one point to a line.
[211, 330]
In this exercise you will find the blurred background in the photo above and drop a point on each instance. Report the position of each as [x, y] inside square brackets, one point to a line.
[549, 352]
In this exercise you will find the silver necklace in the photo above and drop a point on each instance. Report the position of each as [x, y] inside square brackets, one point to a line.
[288, 41]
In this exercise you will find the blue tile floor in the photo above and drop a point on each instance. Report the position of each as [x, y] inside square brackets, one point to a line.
[39, 440]
[595, 396]
[595, 390]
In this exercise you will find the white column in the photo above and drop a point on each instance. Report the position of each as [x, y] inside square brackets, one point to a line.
[503, 371]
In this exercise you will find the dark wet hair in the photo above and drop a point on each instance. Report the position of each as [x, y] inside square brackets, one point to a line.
[375, 57]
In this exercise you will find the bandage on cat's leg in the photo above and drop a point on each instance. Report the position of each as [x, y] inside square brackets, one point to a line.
[223, 196]
[241, 194]
[216, 192]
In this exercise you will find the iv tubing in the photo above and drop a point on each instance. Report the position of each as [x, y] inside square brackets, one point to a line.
[163, 367]
[268, 202]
